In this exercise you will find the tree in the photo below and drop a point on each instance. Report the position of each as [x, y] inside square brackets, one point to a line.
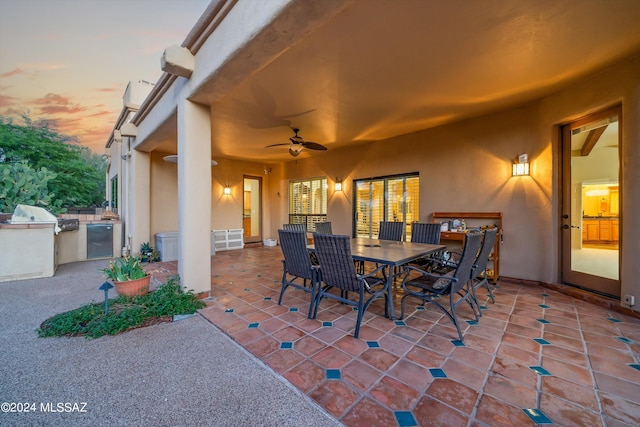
[79, 173]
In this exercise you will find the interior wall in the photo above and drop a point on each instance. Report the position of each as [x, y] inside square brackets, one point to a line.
[466, 166]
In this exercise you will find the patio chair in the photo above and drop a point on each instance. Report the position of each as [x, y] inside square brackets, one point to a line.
[480, 277]
[297, 265]
[430, 287]
[296, 227]
[391, 231]
[323, 228]
[337, 270]
[429, 233]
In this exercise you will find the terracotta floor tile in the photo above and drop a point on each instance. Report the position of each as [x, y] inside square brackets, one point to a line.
[567, 371]
[627, 411]
[288, 333]
[394, 394]
[334, 396]
[564, 413]
[412, 374]
[430, 412]
[618, 387]
[306, 375]
[570, 391]
[515, 371]
[524, 357]
[263, 346]
[367, 413]
[454, 394]
[395, 345]
[564, 354]
[331, 358]
[436, 343]
[614, 368]
[283, 360]
[351, 345]
[511, 392]
[464, 374]
[361, 375]
[379, 359]
[475, 358]
[309, 345]
[496, 413]
[493, 366]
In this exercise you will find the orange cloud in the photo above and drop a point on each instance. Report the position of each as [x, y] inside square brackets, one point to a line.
[6, 100]
[14, 72]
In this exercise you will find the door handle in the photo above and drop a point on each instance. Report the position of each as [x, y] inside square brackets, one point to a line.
[566, 226]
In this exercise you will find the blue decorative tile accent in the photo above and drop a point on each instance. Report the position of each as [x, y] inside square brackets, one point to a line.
[253, 325]
[543, 306]
[545, 295]
[405, 419]
[400, 323]
[537, 416]
[229, 310]
[624, 340]
[437, 373]
[373, 344]
[420, 307]
[635, 366]
[247, 290]
[614, 320]
[540, 370]
[457, 343]
[354, 308]
[286, 345]
[545, 321]
[293, 309]
[327, 324]
[484, 307]
[472, 322]
[267, 298]
[541, 341]
[258, 275]
[333, 374]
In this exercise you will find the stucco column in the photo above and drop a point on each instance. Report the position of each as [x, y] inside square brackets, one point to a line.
[139, 199]
[194, 196]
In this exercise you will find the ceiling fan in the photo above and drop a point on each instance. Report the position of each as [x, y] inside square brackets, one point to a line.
[298, 143]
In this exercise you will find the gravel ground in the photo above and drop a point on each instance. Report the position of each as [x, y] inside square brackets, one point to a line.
[171, 374]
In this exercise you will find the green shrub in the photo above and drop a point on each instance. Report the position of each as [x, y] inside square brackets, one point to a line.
[124, 313]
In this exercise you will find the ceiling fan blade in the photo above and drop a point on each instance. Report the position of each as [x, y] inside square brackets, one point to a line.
[314, 146]
[278, 145]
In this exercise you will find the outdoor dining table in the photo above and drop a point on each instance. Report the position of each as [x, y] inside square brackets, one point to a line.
[390, 253]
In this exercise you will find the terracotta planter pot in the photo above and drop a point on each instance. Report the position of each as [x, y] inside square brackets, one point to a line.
[133, 288]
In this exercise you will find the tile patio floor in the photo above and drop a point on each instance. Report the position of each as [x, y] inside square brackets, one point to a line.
[536, 356]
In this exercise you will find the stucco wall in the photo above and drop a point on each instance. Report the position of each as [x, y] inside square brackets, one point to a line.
[466, 167]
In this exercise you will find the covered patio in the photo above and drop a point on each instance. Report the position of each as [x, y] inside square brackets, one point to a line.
[576, 361]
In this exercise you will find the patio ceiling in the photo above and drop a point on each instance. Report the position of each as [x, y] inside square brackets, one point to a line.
[377, 69]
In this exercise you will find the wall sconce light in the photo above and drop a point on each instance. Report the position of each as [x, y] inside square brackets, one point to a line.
[521, 165]
[338, 185]
[227, 190]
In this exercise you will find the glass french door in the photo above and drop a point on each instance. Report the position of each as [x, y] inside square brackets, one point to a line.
[591, 220]
[252, 209]
[394, 198]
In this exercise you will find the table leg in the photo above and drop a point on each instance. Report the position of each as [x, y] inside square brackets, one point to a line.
[391, 310]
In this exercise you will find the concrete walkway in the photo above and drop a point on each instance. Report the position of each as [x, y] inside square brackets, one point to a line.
[171, 374]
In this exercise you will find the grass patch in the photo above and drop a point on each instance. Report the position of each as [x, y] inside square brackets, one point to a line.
[124, 313]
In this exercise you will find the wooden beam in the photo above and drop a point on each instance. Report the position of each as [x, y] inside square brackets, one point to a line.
[592, 140]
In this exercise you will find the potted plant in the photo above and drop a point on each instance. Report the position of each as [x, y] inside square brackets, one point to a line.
[128, 276]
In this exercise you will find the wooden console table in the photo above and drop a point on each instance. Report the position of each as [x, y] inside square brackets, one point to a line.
[473, 221]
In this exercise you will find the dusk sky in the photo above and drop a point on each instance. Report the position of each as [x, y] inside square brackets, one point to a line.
[71, 60]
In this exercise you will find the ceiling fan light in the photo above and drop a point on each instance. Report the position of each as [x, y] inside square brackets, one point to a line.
[296, 148]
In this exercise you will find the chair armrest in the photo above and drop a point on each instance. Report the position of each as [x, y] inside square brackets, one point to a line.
[373, 273]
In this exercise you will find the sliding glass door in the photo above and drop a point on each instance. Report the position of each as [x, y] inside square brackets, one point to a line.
[391, 198]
